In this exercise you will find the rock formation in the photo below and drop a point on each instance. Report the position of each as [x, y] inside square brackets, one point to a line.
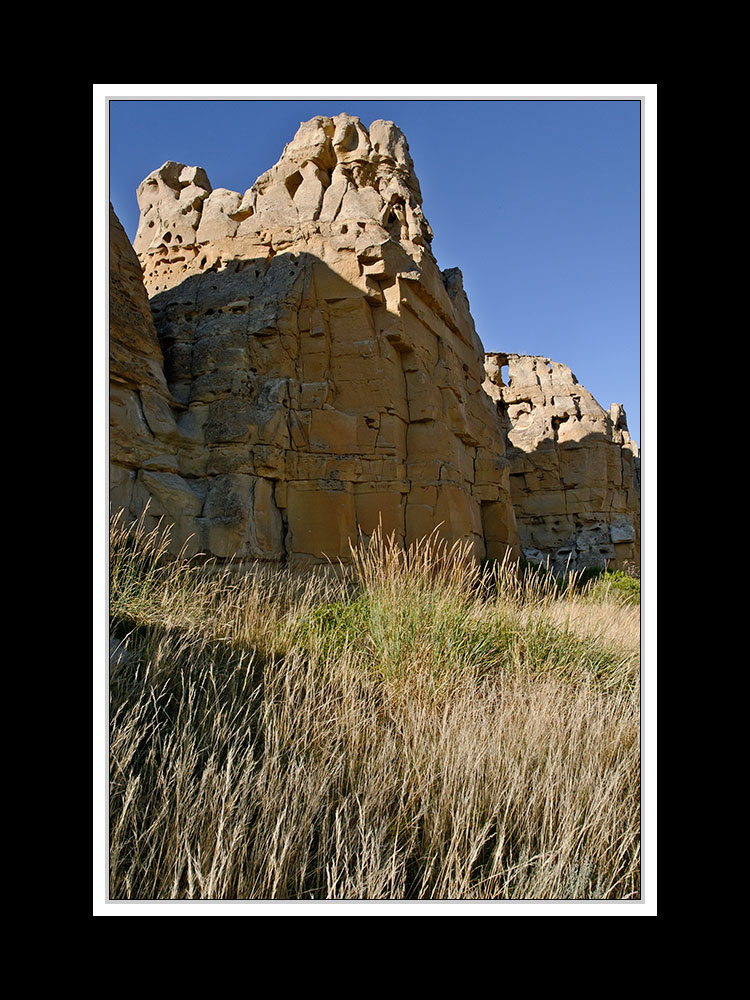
[143, 433]
[321, 375]
[574, 470]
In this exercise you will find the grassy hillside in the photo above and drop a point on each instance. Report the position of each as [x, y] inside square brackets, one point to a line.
[418, 728]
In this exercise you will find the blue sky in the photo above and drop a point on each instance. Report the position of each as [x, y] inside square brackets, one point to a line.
[537, 201]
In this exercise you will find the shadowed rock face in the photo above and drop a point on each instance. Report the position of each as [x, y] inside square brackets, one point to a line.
[143, 432]
[321, 375]
[574, 469]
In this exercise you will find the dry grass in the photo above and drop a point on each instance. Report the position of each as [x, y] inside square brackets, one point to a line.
[416, 728]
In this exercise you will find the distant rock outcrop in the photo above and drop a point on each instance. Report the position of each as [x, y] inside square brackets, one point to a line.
[321, 375]
[574, 469]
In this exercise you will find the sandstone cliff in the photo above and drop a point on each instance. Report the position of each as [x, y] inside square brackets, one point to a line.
[143, 432]
[574, 469]
[321, 375]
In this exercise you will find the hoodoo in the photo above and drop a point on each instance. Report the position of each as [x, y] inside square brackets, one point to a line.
[574, 469]
[294, 368]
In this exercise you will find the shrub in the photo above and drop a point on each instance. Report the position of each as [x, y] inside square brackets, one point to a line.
[615, 583]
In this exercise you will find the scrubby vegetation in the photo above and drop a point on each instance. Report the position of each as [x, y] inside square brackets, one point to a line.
[418, 727]
[593, 582]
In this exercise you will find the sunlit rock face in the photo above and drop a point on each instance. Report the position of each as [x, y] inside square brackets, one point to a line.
[321, 375]
[574, 469]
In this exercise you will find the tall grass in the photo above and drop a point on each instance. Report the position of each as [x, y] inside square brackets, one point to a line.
[415, 726]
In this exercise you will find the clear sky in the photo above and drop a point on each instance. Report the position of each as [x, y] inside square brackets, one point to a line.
[537, 201]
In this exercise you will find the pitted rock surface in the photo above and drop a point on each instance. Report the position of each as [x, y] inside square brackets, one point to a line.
[574, 469]
[321, 375]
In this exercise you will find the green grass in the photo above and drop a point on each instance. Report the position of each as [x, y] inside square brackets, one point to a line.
[617, 584]
[453, 637]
